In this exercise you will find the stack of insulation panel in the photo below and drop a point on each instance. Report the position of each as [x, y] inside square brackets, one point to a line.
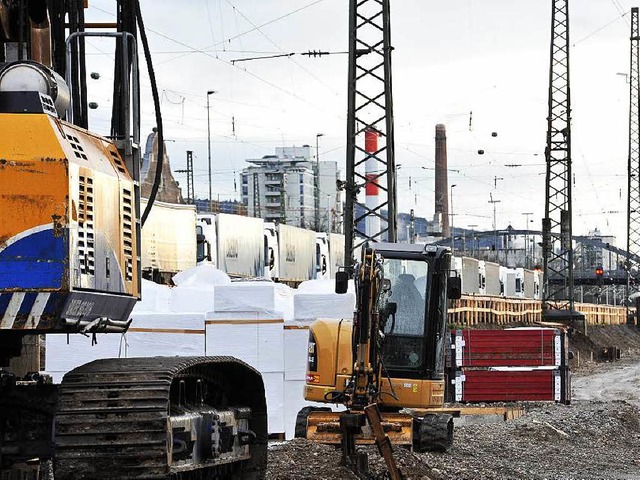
[518, 364]
[313, 302]
[245, 324]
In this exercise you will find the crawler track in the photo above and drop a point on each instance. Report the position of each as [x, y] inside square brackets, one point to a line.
[113, 418]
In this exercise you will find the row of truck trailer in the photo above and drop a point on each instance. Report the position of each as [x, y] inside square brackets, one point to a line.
[175, 237]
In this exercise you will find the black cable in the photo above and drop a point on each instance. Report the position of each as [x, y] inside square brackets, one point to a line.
[156, 104]
[83, 121]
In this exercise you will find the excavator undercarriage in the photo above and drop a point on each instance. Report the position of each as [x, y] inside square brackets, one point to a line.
[151, 418]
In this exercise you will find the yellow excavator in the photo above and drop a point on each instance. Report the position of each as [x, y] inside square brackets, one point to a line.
[390, 355]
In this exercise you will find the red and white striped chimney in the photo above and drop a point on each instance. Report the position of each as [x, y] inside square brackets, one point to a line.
[372, 225]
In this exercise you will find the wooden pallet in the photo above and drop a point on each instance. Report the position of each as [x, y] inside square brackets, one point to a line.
[478, 310]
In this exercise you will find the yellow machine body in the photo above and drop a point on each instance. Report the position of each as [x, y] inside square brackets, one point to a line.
[68, 246]
[329, 368]
[332, 339]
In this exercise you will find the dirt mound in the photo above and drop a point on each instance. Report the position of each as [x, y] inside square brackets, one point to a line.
[627, 337]
[590, 350]
[300, 459]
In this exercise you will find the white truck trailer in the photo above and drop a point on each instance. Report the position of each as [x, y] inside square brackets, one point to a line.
[297, 254]
[468, 269]
[336, 253]
[491, 271]
[168, 240]
[233, 244]
[512, 280]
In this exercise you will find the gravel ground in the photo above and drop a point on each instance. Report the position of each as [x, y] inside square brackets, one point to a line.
[585, 440]
[596, 437]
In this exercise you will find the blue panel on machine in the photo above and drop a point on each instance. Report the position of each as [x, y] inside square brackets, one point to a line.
[35, 261]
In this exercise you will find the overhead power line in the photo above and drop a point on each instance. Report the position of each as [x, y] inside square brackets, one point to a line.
[309, 53]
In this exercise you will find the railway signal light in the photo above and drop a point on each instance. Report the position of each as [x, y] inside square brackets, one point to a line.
[599, 276]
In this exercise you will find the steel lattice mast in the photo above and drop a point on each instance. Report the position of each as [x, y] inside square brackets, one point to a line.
[556, 226]
[633, 168]
[370, 108]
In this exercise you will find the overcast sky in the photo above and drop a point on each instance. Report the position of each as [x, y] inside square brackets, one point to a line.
[452, 57]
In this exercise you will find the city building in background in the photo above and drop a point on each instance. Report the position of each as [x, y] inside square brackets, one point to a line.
[283, 188]
[590, 253]
[234, 207]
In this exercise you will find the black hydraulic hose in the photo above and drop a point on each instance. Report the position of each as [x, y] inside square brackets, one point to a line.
[156, 104]
[84, 117]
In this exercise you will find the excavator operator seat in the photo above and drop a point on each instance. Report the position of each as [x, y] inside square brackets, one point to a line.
[404, 346]
[410, 306]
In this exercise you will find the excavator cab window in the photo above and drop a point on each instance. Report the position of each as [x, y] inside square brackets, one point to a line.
[404, 346]
[408, 291]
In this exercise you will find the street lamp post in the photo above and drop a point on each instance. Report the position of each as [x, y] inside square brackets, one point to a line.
[316, 182]
[452, 235]
[526, 241]
[495, 228]
[209, 92]
[473, 238]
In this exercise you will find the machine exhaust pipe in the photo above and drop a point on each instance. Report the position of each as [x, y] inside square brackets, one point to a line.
[5, 24]
[40, 32]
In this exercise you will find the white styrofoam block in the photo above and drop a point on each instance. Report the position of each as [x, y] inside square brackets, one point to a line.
[274, 389]
[62, 356]
[323, 305]
[150, 335]
[192, 299]
[205, 274]
[284, 300]
[245, 296]
[249, 336]
[323, 285]
[238, 340]
[177, 321]
[296, 341]
[271, 346]
[293, 402]
[168, 334]
[144, 344]
[243, 317]
[154, 298]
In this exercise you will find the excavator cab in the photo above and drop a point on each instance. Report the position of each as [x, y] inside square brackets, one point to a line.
[414, 333]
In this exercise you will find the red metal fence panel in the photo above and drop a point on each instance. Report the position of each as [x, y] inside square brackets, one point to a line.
[528, 347]
[511, 385]
[519, 364]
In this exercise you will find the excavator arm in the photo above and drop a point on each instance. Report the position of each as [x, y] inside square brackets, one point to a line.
[364, 387]
[362, 392]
